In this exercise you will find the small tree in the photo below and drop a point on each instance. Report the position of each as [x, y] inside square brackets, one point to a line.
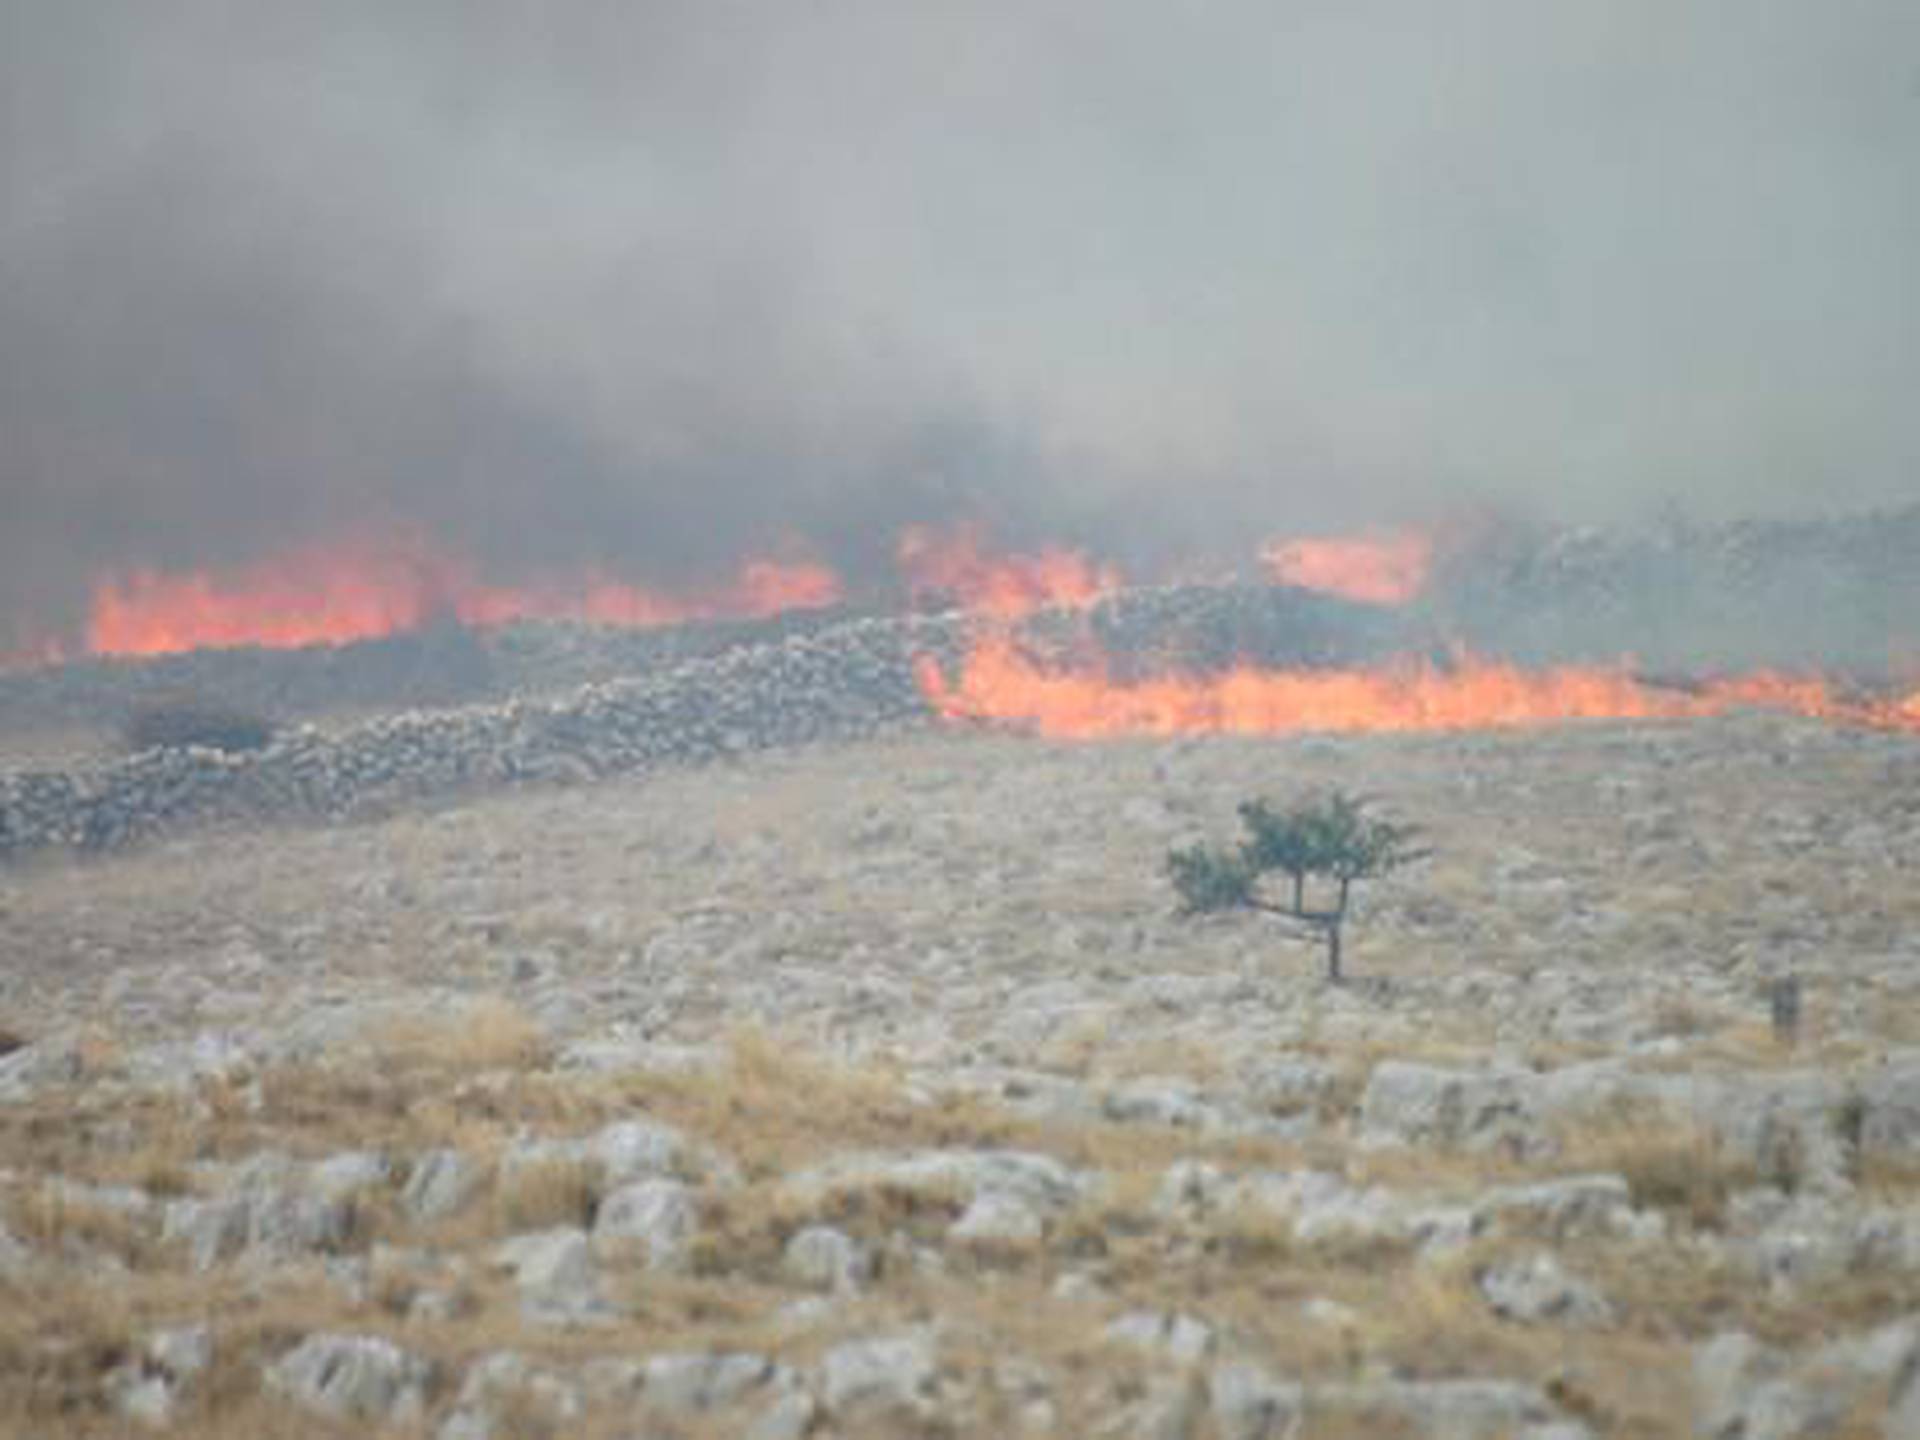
[1332, 839]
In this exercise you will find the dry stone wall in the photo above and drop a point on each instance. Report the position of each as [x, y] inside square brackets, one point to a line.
[840, 683]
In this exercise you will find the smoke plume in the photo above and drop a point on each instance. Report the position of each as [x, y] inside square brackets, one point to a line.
[650, 286]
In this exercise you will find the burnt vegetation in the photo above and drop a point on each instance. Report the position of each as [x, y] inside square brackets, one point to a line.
[1314, 851]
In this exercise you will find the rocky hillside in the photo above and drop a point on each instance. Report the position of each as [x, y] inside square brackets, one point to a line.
[875, 1089]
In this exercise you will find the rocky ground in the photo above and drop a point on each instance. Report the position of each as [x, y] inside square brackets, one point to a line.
[877, 1089]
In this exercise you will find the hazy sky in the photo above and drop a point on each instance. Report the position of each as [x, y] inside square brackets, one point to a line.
[656, 283]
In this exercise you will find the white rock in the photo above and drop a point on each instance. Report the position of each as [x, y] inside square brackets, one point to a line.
[790, 1417]
[637, 1150]
[826, 1259]
[659, 1215]
[341, 1177]
[16, 1257]
[1890, 1109]
[558, 1281]
[997, 1219]
[1189, 1190]
[145, 1399]
[694, 1383]
[1179, 1338]
[1249, 1404]
[1535, 1288]
[1411, 1104]
[353, 1377]
[181, 1351]
[890, 1375]
[503, 1393]
[1576, 1206]
[1040, 1180]
[441, 1184]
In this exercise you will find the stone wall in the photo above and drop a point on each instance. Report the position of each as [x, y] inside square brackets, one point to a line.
[841, 682]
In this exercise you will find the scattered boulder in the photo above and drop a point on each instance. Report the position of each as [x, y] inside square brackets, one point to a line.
[441, 1183]
[823, 1258]
[1181, 1339]
[700, 1382]
[996, 1219]
[659, 1217]
[558, 1281]
[1412, 1104]
[1249, 1404]
[270, 1208]
[504, 1395]
[356, 1378]
[1569, 1208]
[1536, 1288]
[873, 1379]
[16, 1257]
[148, 1389]
[1889, 1109]
[1042, 1182]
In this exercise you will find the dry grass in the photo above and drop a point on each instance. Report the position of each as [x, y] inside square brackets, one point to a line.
[750, 866]
[56, 1220]
[489, 1033]
[544, 1194]
[1670, 1164]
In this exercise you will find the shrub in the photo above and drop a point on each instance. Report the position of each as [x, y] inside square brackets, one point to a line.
[172, 721]
[1331, 839]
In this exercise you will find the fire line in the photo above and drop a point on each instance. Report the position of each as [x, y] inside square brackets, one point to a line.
[996, 682]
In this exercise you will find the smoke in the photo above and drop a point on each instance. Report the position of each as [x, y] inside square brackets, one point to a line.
[654, 285]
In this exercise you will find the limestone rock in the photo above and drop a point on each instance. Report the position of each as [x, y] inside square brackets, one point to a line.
[659, 1216]
[360, 1378]
[885, 1376]
[1536, 1288]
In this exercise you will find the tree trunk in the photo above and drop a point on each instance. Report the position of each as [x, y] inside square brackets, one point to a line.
[1333, 951]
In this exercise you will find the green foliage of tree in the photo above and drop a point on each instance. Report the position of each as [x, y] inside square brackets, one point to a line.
[1329, 838]
[1209, 879]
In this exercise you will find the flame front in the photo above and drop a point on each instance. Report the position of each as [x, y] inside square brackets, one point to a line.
[1379, 569]
[341, 592]
[955, 567]
[998, 682]
[360, 590]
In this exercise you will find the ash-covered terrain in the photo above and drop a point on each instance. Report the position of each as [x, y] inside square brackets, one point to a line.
[862, 1079]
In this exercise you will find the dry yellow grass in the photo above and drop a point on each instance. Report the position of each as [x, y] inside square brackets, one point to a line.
[1015, 893]
[547, 1193]
[487, 1033]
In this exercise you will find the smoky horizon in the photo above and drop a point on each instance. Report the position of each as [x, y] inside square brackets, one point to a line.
[651, 288]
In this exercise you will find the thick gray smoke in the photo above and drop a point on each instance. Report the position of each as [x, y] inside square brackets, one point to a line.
[653, 284]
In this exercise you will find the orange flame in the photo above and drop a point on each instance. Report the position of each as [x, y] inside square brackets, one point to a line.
[332, 594]
[1378, 569]
[954, 567]
[999, 683]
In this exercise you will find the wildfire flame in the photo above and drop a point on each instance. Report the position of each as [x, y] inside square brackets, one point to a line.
[1378, 569]
[333, 594]
[954, 566]
[362, 589]
[997, 682]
